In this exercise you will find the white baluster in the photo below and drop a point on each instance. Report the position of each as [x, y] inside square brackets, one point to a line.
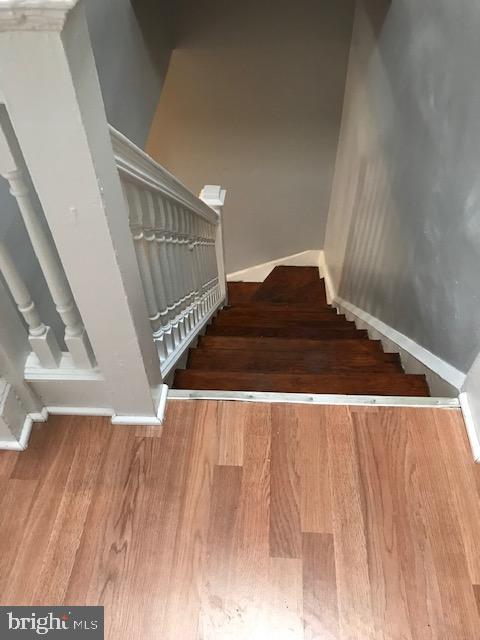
[161, 239]
[163, 337]
[75, 336]
[136, 225]
[192, 246]
[203, 265]
[181, 265]
[41, 337]
[187, 258]
[153, 252]
[170, 267]
[195, 266]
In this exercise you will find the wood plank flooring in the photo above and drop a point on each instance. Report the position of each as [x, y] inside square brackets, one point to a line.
[250, 521]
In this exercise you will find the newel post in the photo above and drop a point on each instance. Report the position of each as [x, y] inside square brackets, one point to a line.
[49, 84]
[214, 196]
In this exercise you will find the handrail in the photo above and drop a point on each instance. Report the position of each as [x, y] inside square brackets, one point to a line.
[178, 243]
[139, 166]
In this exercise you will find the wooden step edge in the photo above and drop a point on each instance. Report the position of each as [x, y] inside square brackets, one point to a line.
[239, 331]
[386, 368]
[268, 343]
[293, 353]
[398, 384]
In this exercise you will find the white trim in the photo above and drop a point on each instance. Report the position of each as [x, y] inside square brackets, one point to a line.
[169, 364]
[34, 15]
[443, 378]
[142, 420]
[433, 363]
[138, 166]
[41, 416]
[22, 442]
[107, 413]
[259, 272]
[325, 274]
[313, 398]
[79, 411]
[66, 386]
[472, 428]
[66, 370]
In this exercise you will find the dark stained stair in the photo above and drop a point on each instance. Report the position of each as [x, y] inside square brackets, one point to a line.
[282, 336]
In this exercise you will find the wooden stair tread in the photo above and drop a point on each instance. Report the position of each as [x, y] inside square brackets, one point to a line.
[316, 333]
[320, 361]
[242, 291]
[293, 345]
[396, 384]
[282, 336]
[292, 284]
[231, 320]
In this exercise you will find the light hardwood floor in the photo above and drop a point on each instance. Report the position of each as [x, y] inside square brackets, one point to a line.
[250, 521]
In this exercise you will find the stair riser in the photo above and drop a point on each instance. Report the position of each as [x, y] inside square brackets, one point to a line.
[270, 311]
[287, 314]
[294, 368]
[371, 384]
[290, 345]
[286, 332]
[327, 323]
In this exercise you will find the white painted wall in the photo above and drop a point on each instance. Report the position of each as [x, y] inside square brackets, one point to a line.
[253, 100]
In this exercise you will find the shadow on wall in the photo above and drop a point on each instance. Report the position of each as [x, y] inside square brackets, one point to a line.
[156, 20]
[404, 226]
[377, 11]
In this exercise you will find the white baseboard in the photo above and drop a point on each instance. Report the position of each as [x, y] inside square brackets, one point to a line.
[473, 430]
[325, 274]
[127, 420]
[443, 379]
[143, 420]
[66, 386]
[21, 442]
[259, 272]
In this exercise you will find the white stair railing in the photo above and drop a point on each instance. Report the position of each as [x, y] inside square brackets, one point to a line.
[177, 238]
[41, 337]
[131, 257]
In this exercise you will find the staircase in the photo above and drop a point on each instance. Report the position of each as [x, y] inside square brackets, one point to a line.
[282, 336]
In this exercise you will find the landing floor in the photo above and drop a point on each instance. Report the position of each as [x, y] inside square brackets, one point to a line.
[250, 521]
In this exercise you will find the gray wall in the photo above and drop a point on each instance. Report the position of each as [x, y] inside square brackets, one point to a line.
[252, 101]
[403, 238]
[14, 234]
[131, 60]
